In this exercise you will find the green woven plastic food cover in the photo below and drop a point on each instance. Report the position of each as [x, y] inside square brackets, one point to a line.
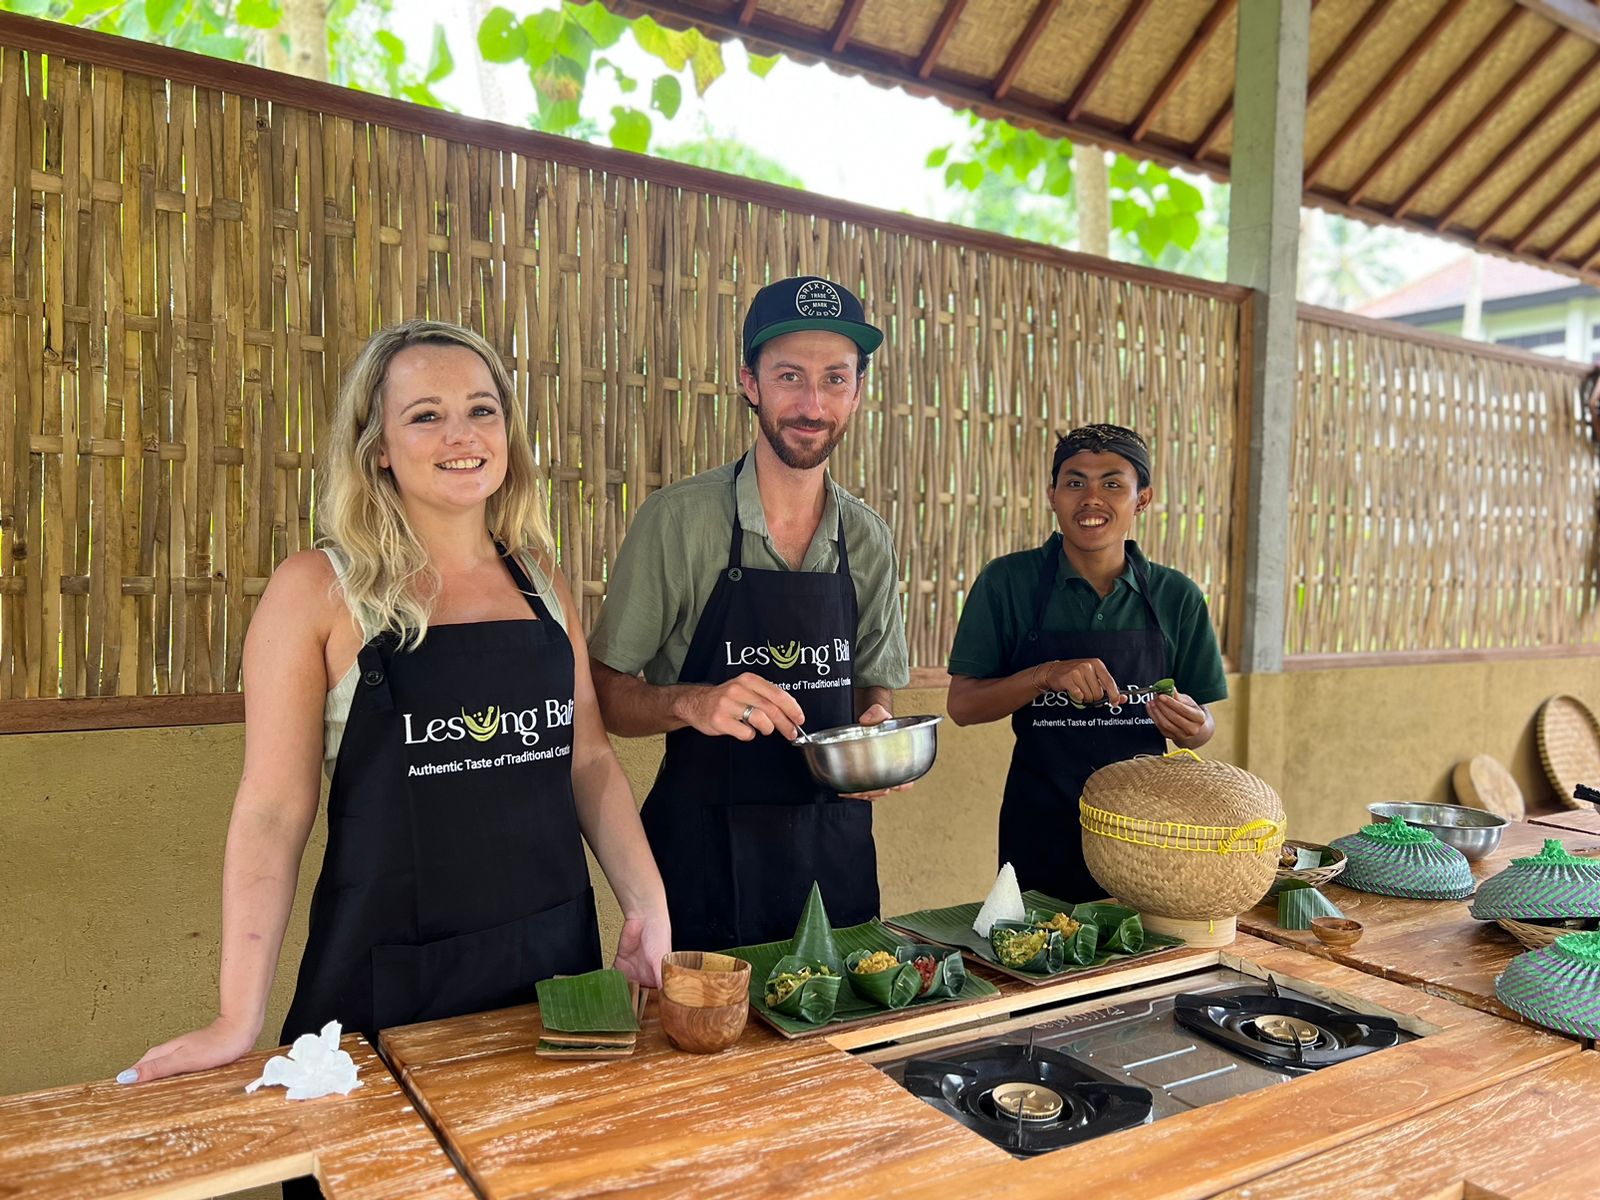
[1550, 885]
[1397, 859]
[1557, 986]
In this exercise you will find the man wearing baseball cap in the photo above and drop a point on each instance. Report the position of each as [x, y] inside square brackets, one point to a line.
[745, 602]
[1071, 640]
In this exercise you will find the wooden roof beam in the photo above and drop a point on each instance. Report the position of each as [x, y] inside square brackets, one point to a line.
[1552, 106]
[747, 11]
[1435, 102]
[846, 24]
[1102, 61]
[1573, 231]
[1563, 194]
[1042, 12]
[1419, 46]
[1475, 126]
[1535, 177]
[942, 29]
[1202, 36]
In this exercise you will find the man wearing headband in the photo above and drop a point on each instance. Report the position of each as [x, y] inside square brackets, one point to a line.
[1069, 641]
[745, 602]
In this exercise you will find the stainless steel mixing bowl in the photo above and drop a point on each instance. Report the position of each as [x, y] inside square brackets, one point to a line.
[869, 758]
[1473, 832]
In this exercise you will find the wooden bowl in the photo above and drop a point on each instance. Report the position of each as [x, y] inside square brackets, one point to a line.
[698, 979]
[703, 1030]
[1336, 931]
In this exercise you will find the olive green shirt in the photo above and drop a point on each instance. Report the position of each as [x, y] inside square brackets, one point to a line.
[1000, 608]
[677, 547]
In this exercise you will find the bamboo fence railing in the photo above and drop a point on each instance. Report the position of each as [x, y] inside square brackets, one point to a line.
[192, 258]
[1445, 496]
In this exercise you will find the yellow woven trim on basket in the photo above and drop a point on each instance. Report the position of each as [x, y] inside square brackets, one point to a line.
[1183, 750]
[1254, 838]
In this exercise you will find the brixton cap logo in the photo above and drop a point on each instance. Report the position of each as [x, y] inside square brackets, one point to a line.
[807, 302]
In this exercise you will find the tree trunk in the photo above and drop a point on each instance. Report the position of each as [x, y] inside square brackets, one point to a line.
[1472, 305]
[305, 26]
[1094, 201]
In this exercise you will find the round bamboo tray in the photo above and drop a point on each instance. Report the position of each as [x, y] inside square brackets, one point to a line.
[1569, 746]
[1315, 876]
[1534, 936]
[1481, 782]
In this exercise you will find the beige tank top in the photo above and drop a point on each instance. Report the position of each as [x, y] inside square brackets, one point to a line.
[336, 709]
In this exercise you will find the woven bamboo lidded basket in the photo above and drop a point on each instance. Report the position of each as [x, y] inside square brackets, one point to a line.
[1188, 842]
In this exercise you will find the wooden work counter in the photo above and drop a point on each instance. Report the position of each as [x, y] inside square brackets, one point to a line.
[201, 1135]
[779, 1118]
[1435, 945]
[1535, 1137]
[1570, 820]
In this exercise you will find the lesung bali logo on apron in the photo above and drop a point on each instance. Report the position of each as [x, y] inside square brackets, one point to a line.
[488, 723]
[823, 658]
[1135, 694]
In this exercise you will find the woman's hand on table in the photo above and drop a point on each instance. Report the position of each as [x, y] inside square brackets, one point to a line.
[218, 1044]
[876, 715]
[644, 941]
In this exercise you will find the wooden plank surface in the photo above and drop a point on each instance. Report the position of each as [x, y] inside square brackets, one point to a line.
[1224, 1145]
[1481, 1146]
[1571, 820]
[776, 1118]
[1435, 945]
[201, 1136]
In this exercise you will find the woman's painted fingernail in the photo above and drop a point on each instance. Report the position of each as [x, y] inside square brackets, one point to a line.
[131, 1075]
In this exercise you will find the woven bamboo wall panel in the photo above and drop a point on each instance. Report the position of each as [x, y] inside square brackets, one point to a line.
[189, 272]
[1441, 499]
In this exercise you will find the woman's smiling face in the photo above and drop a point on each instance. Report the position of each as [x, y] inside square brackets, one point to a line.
[444, 430]
[1096, 496]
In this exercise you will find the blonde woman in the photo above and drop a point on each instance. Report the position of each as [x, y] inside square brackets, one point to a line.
[431, 660]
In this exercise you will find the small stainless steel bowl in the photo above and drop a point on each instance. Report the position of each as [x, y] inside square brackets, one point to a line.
[1472, 831]
[868, 758]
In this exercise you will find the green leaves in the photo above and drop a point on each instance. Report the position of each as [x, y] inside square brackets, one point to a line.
[258, 14]
[630, 129]
[500, 37]
[666, 94]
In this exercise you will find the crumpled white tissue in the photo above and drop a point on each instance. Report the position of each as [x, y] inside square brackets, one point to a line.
[314, 1067]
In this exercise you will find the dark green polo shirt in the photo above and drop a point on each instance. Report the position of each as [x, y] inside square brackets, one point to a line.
[1000, 607]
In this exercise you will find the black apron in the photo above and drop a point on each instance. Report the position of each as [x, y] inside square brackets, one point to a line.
[1059, 747]
[454, 877]
[740, 829]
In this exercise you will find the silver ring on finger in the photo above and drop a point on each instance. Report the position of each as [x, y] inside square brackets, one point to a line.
[745, 715]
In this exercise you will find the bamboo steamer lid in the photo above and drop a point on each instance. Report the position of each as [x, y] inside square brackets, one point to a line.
[1569, 746]
[1481, 782]
[1182, 839]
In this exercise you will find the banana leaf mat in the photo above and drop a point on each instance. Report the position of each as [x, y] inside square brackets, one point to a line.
[952, 926]
[851, 1009]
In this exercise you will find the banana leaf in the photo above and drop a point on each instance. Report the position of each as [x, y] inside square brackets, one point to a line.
[1165, 687]
[892, 988]
[1047, 960]
[949, 971]
[813, 936]
[814, 1000]
[1121, 930]
[596, 1002]
[850, 1008]
[1082, 944]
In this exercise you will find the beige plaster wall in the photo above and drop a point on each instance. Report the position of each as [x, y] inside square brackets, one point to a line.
[111, 842]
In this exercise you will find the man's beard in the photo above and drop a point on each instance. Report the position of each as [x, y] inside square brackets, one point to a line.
[801, 458]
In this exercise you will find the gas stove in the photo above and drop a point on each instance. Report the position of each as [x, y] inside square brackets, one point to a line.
[1056, 1078]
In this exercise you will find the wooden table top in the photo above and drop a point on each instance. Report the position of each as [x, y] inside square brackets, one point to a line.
[777, 1118]
[201, 1135]
[1484, 1146]
[1435, 945]
[1575, 820]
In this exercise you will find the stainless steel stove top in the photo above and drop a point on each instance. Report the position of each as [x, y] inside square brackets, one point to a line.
[1131, 1037]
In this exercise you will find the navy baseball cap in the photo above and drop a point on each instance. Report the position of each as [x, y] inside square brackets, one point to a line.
[807, 302]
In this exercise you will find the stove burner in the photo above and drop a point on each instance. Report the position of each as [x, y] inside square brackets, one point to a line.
[1284, 1029]
[1029, 1101]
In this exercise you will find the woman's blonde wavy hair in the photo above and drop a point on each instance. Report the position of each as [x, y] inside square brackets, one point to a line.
[389, 583]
